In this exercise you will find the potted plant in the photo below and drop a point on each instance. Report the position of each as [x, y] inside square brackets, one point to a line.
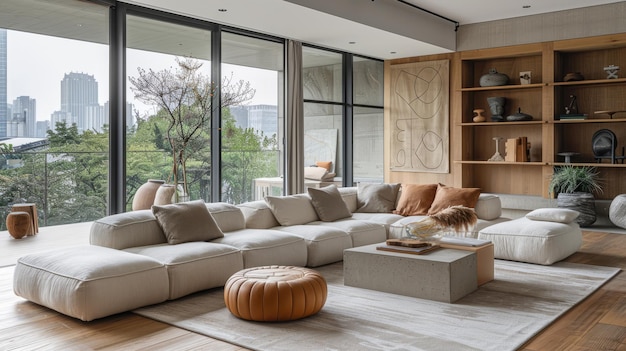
[575, 187]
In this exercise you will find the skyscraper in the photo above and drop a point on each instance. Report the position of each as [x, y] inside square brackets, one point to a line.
[3, 83]
[79, 92]
[23, 112]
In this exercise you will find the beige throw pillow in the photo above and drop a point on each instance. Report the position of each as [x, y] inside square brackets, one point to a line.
[328, 203]
[292, 209]
[377, 198]
[186, 221]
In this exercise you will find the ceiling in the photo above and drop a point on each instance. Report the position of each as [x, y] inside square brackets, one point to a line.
[384, 29]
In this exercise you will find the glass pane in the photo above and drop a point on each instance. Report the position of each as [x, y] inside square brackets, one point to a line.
[169, 107]
[252, 118]
[368, 145]
[368, 82]
[54, 73]
[323, 143]
[321, 75]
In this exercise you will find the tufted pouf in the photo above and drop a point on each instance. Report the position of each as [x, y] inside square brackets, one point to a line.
[275, 293]
[617, 211]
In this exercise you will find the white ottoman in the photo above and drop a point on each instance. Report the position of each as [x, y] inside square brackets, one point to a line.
[89, 282]
[617, 211]
[533, 241]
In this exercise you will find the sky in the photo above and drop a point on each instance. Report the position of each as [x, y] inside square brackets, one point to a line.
[36, 64]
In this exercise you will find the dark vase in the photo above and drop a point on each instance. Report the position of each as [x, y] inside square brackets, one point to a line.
[584, 203]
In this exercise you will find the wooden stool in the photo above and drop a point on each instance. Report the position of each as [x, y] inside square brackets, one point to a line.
[275, 293]
[19, 224]
[31, 209]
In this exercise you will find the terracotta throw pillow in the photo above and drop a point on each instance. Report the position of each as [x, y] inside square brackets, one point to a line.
[187, 221]
[450, 196]
[328, 203]
[325, 164]
[415, 199]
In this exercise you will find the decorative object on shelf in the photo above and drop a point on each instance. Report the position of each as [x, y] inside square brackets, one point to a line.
[144, 196]
[572, 108]
[609, 112]
[433, 227]
[525, 77]
[497, 157]
[568, 155]
[479, 115]
[575, 187]
[604, 144]
[496, 106]
[519, 116]
[493, 78]
[19, 224]
[611, 71]
[517, 150]
[573, 77]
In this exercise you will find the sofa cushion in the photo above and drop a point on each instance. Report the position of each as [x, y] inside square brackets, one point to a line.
[349, 196]
[292, 209]
[186, 221]
[328, 203]
[559, 215]
[415, 199]
[228, 217]
[447, 196]
[488, 207]
[128, 229]
[258, 215]
[377, 197]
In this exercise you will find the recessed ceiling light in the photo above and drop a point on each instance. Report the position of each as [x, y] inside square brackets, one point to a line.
[352, 42]
[526, 6]
[222, 10]
[392, 52]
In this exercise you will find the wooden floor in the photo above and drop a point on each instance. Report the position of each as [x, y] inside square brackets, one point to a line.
[598, 323]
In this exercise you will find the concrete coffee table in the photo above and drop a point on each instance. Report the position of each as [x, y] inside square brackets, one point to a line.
[442, 275]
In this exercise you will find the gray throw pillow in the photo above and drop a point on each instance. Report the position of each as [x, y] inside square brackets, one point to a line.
[328, 203]
[377, 198]
[186, 221]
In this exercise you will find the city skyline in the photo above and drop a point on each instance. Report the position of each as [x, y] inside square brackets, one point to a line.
[63, 56]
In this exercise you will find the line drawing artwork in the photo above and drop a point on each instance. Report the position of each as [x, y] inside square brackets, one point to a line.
[420, 117]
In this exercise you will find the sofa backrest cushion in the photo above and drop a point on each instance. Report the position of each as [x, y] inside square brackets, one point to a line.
[377, 198]
[415, 199]
[328, 203]
[292, 209]
[447, 196]
[488, 207]
[258, 215]
[128, 229]
[228, 217]
[186, 222]
[349, 196]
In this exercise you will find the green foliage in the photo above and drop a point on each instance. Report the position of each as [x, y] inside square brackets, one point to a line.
[571, 179]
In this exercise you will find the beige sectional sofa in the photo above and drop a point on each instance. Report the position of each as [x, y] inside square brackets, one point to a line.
[284, 230]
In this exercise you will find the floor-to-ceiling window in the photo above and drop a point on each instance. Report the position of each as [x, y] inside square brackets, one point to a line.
[252, 116]
[322, 80]
[367, 129]
[168, 111]
[54, 70]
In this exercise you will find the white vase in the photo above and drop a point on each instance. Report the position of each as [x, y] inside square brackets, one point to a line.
[165, 194]
[144, 196]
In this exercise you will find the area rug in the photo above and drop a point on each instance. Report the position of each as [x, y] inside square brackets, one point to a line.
[501, 315]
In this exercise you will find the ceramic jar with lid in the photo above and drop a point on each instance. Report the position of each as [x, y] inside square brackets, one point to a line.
[493, 78]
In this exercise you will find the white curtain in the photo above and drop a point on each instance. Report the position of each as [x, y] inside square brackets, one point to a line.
[294, 177]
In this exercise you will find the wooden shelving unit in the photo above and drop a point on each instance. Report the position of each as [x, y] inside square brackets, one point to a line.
[545, 99]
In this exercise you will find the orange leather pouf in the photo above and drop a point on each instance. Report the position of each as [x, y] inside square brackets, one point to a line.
[275, 293]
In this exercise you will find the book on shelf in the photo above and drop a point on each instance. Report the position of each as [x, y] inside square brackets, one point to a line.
[574, 116]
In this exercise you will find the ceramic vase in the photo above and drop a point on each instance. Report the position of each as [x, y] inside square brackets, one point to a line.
[493, 78]
[144, 196]
[165, 194]
[584, 203]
